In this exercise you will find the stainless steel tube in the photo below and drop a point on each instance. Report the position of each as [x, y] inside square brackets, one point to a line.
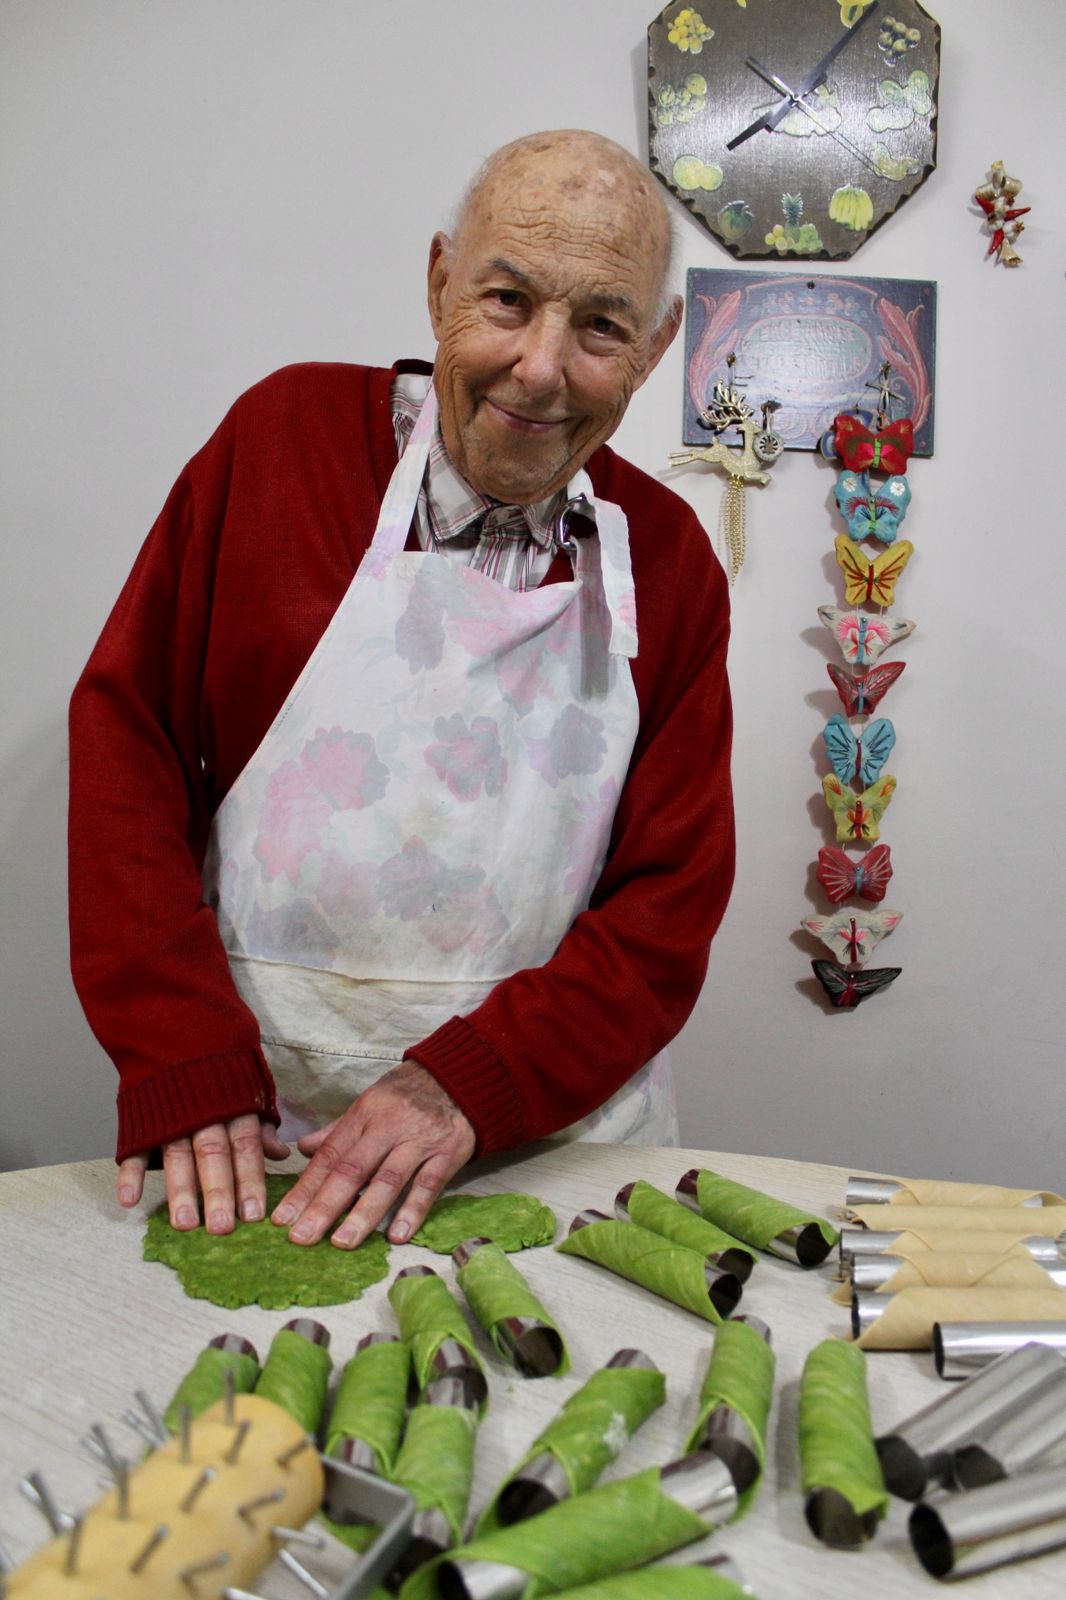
[1032, 1435]
[921, 1447]
[833, 1519]
[534, 1349]
[992, 1527]
[308, 1329]
[871, 1191]
[962, 1348]
[738, 1262]
[870, 1272]
[453, 1360]
[703, 1485]
[541, 1483]
[862, 1241]
[726, 1435]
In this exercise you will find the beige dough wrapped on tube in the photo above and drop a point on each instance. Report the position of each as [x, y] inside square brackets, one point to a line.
[915, 1241]
[959, 1269]
[905, 1321]
[238, 1483]
[1018, 1221]
[945, 1192]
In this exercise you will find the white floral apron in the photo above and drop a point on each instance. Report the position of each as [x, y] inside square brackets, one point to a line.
[430, 809]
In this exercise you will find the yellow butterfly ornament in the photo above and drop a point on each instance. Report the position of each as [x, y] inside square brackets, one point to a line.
[857, 815]
[869, 581]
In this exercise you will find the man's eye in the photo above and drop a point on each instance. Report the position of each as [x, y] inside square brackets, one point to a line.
[507, 297]
[604, 327]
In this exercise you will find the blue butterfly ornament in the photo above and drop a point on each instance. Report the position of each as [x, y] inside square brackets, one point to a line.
[857, 759]
[872, 510]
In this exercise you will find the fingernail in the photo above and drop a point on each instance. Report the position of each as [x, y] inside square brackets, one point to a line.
[127, 1196]
[399, 1231]
[301, 1233]
[283, 1214]
[187, 1217]
[251, 1210]
[219, 1222]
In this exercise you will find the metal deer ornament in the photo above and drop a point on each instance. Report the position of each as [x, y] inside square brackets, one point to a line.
[750, 463]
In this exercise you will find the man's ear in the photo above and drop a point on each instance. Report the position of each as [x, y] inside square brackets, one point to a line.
[441, 250]
[664, 336]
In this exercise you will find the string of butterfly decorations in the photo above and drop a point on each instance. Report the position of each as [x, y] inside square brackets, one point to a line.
[873, 495]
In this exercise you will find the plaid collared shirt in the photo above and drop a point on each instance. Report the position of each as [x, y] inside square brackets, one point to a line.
[509, 543]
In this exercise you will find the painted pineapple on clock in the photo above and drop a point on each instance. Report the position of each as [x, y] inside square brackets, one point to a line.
[793, 128]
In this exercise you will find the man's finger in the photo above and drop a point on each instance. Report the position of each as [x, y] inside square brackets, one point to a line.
[343, 1171]
[274, 1149]
[246, 1145]
[331, 1143]
[129, 1185]
[379, 1196]
[214, 1168]
[426, 1185]
[179, 1173]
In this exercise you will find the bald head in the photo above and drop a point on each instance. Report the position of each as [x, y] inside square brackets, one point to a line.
[561, 168]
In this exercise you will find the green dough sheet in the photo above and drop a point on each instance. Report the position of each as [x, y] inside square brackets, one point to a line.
[371, 1401]
[740, 1375]
[295, 1376]
[660, 1583]
[205, 1382]
[496, 1290]
[836, 1439]
[753, 1216]
[610, 1529]
[646, 1258]
[650, 1208]
[436, 1461]
[591, 1428]
[257, 1265]
[427, 1315]
[513, 1221]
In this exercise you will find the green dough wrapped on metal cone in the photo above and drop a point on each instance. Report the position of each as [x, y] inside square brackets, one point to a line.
[498, 1294]
[591, 1428]
[428, 1316]
[513, 1221]
[610, 1529]
[205, 1382]
[647, 1258]
[371, 1401]
[661, 1583]
[436, 1461]
[757, 1218]
[650, 1208]
[295, 1376]
[740, 1375]
[841, 1471]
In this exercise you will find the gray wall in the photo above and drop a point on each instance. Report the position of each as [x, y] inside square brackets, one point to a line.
[196, 192]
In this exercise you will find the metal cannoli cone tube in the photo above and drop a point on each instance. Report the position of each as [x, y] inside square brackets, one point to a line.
[943, 1192]
[920, 1448]
[296, 1371]
[962, 1348]
[946, 1269]
[758, 1219]
[842, 1480]
[1017, 1221]
[205, 1381]
[682, 1276]
[649, 1207]
[905, 1321]
[509, 1311]
[436, 1330]
[435, 1464]
[613, 1528]
[991, 1527]
[1031, 1436]
[735, 1402]
[371, 1401]
[583, 1438]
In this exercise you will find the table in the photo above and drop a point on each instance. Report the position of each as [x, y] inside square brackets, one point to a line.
[87, 1322]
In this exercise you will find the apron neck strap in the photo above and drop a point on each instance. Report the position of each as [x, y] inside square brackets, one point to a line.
[401, 496]
[616, 569]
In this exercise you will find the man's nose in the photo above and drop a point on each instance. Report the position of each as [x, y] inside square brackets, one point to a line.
[541, 360]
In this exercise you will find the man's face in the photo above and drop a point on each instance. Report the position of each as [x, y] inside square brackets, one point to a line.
[544, 319]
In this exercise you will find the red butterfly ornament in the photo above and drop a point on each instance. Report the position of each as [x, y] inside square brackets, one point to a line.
[863, 451]
[860, 691]
[841, 877]
[849, 989]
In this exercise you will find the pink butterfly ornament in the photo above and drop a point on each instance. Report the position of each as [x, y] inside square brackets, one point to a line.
[853, 936]
[862, 636]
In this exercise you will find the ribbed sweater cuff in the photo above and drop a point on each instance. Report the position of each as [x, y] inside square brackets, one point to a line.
[477, 1081]
[191, 1095]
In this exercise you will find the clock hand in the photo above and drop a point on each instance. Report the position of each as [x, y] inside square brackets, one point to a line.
[794, 98]
[814, 78]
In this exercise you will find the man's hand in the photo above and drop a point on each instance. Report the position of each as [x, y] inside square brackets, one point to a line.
[225, 1159]
[404, 1132]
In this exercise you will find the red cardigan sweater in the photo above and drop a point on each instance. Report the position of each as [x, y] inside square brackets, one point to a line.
[250, 557]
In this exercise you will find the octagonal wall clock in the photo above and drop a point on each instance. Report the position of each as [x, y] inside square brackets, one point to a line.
[793, 128]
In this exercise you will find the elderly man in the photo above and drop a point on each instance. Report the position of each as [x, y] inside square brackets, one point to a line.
[371, 781]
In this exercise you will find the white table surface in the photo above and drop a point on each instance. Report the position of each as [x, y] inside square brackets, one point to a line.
[86, 1322]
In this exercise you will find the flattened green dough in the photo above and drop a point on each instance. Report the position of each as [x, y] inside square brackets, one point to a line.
[650, 1208]
[591, 1428]
[371, 1401]
[496, 1290]
[256, 1264]
[513, 1221]
[610, 1529]
[205, 1382]
[295, 1376]
[836, 1439]
[428, 1315]
[661, 1583]
[646, 1258]
[753, 1216]
[740, 1375]
[436, 1461]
